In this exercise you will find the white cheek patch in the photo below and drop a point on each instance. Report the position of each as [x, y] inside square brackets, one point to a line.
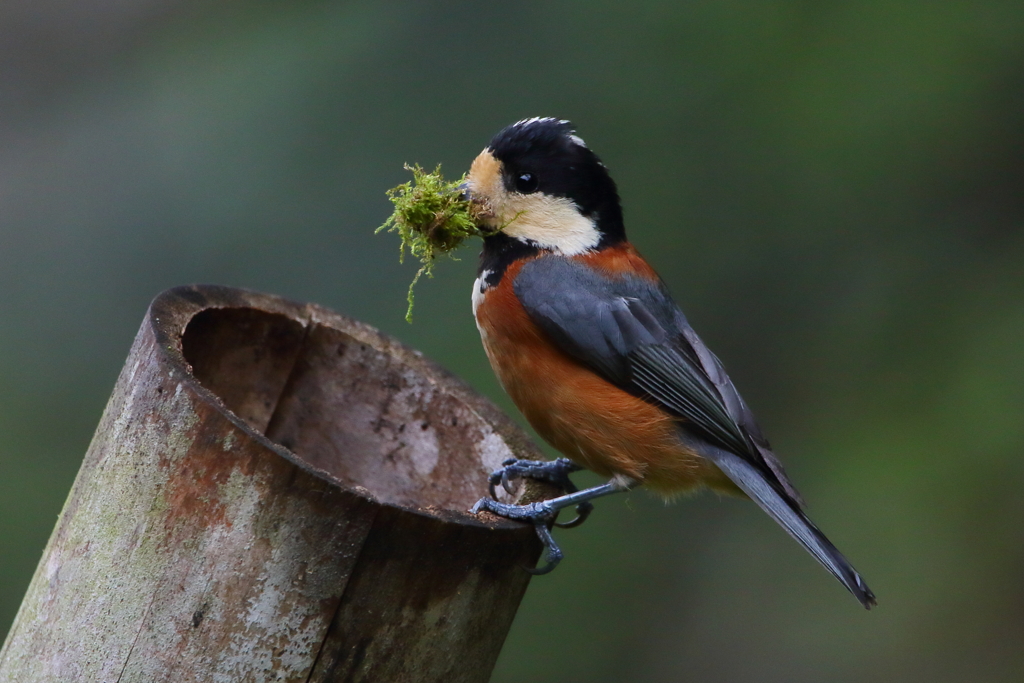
[550, 222]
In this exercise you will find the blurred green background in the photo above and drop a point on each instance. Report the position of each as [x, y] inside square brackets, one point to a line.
[834, 191]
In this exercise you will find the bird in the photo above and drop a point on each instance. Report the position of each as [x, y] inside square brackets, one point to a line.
[585, 338]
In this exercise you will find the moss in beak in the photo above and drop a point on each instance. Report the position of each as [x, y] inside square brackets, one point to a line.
[432, 216]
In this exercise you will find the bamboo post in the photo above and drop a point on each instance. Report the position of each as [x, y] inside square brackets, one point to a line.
[277, 493]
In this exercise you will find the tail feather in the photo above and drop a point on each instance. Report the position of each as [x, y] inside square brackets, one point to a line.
[790, 518]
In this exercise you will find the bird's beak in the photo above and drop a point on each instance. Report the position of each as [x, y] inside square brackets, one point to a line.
[480, 210]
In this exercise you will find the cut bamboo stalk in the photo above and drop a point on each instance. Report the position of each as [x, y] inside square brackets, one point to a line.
[277, 493]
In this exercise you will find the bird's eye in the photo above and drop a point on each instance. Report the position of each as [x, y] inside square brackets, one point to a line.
[526, 183]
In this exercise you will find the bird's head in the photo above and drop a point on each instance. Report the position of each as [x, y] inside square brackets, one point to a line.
[539, 183]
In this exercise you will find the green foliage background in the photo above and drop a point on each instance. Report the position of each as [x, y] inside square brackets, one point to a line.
[833, 191]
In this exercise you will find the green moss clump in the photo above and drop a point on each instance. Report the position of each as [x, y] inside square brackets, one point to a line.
[431, 217]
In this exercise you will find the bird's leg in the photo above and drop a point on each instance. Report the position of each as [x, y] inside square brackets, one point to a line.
[555, 472]
[542, 514]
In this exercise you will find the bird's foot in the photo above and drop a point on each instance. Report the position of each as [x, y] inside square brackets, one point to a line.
[555, 472]
[540, 514]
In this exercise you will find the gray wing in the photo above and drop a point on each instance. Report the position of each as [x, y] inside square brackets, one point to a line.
[630, 332]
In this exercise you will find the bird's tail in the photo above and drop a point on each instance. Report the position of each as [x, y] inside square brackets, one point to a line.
[792, 519]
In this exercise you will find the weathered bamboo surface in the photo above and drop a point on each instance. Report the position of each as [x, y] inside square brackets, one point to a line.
[276, 493]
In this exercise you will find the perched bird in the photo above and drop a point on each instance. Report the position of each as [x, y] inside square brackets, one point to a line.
[587, 341]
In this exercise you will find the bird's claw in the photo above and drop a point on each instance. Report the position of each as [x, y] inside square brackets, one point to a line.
[553, 555]
[554, 472]
[583, 511]
[533, 513]
[540, 515]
